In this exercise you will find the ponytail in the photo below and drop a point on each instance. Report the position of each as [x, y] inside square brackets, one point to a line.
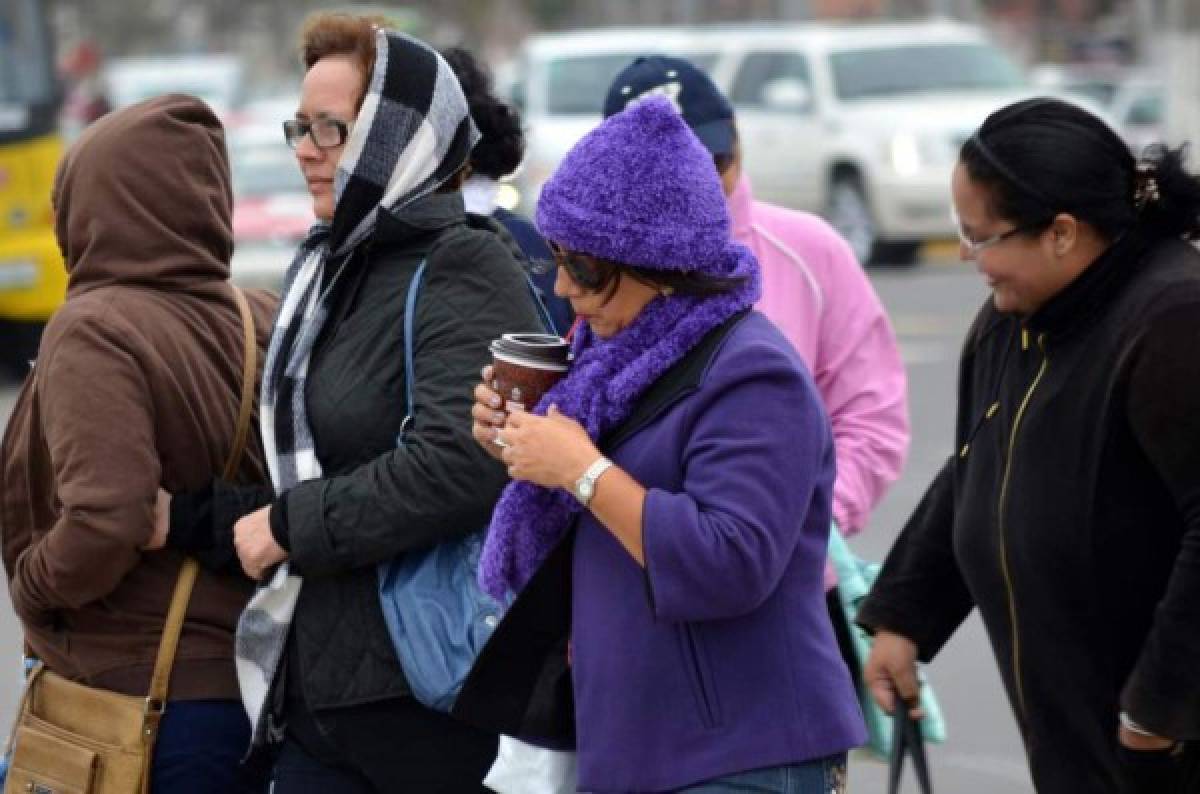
[1166, 195]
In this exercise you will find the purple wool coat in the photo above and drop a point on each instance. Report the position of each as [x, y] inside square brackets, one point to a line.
[718, 657]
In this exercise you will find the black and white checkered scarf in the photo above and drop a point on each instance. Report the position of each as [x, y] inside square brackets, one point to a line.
[414, 131]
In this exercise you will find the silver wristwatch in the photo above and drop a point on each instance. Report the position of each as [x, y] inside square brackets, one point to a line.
[585, 486]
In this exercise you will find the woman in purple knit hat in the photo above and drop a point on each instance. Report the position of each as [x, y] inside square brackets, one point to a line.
[678, 480]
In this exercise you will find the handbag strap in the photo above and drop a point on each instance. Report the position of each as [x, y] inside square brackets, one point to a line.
[410, 309]
[31, 677]
[907, 741]
[157, 699]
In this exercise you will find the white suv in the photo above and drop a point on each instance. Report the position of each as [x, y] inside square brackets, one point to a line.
[861, 123]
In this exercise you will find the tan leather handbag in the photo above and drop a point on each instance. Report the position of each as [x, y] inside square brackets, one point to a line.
[70, 738]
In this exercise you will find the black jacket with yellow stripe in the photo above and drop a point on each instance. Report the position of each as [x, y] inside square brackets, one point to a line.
[1069, 513]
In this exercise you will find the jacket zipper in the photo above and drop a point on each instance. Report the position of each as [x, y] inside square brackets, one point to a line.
[1004, 567]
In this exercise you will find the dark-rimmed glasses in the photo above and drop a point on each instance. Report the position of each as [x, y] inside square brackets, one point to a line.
[583, 269]
[325, 133]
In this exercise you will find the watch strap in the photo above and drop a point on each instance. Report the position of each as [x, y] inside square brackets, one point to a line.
[590, 475]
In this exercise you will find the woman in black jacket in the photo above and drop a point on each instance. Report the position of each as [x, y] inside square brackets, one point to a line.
[381, 134]
[1069, 512]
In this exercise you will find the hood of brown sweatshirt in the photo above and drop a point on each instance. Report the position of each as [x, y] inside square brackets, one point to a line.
[136, 388]
[143, 197]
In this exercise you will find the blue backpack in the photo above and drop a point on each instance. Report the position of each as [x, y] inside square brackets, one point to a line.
[438, 616]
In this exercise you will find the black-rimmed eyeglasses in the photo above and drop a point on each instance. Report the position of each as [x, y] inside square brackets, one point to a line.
[325, 133]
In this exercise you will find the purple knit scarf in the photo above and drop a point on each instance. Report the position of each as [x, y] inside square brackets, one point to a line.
[606, 380]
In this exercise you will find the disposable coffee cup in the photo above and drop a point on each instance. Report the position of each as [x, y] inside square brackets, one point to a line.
[525, 366]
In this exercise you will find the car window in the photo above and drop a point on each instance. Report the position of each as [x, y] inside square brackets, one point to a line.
[918, 68]
[1101, 91]
[1146, 110]
[760, 72]
[576, 85]
[264, 170]
[26, 70]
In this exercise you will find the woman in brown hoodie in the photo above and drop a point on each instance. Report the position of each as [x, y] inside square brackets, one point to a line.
[136, 387]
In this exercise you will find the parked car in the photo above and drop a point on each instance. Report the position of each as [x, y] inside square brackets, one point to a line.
[1139, 109]
[1134, 98]
[217, 79]
[1099, 81]
[861, 123]
[272, 209]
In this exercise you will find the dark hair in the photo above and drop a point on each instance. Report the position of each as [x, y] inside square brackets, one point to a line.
[1040, 157]
[502, 142]
[326, 34]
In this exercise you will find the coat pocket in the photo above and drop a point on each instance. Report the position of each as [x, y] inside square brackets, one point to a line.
[699, 674]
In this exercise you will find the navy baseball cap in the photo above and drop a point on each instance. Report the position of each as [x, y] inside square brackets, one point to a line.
[698, 100]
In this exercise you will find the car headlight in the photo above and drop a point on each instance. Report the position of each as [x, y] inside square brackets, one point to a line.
[909, 153]
[905, 154]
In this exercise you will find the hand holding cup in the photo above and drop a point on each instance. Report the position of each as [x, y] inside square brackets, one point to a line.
[487, 415]
[523, 368]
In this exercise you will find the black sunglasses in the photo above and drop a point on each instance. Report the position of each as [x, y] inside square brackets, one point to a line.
[583, 269]
[325, 133]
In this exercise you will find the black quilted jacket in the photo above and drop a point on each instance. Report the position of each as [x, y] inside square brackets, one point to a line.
[376, 501]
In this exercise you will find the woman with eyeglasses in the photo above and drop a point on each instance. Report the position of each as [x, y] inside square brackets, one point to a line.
[1069, 510]
[670, 506]
[381, 134]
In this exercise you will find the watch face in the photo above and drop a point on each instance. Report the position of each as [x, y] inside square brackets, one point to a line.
[584, 490]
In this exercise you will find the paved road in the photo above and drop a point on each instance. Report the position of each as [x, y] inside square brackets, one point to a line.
[10, 630]
[931, 307]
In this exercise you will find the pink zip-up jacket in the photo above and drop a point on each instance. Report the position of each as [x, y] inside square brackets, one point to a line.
[817, 293]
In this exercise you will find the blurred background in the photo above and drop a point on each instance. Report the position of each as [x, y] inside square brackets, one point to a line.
[850, 108]
[853, 109]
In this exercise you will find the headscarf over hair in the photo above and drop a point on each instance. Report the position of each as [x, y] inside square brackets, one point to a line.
[640, 189]
[412, 133]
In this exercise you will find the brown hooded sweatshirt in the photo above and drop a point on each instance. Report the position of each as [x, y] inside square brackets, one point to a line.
[136, 386]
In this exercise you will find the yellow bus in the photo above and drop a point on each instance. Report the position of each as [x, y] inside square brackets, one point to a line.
[32, 277]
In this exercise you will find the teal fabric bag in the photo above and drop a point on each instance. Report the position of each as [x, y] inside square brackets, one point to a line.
[855, 577]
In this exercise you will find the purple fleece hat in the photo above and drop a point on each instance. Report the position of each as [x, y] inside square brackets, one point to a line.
[640, 189]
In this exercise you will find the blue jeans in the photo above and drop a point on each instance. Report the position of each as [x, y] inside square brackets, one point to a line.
[200, 748]
[822, 776]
